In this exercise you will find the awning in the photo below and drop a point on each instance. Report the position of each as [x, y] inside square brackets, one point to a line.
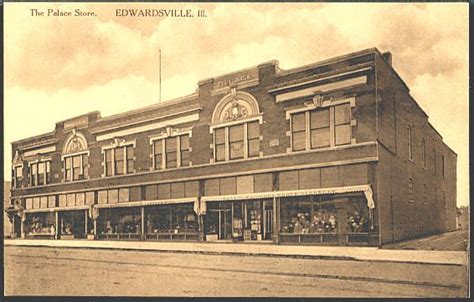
[147, 203]
[322, 191]
[57, 209]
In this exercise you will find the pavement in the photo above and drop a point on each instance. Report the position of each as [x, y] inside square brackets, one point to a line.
[450, 241]
[371, 254]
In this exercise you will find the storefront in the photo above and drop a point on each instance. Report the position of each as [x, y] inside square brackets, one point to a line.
[152, 220]
[40, 225]
[238, 220]
[74, 224]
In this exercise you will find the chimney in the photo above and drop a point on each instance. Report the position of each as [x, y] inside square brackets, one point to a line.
[388, 57]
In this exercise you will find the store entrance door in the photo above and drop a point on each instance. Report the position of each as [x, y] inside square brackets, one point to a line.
[267, 221]
[222, 219]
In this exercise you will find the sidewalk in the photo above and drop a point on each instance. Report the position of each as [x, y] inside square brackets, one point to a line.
[312, 252]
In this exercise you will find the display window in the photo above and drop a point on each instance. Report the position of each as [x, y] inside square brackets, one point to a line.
[171, 219]
[319, 214]
[72, 223]
[120, 221]
[40, 224]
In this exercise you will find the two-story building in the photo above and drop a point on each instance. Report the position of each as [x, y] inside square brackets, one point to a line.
[335, 152]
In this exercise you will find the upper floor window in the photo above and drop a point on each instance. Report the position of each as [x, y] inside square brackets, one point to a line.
[171, 152]
[119, 160]
[236, 127]
[76, 167]
[76, 157]
[442, 165]
[40, 173]
[321, 127]
[409, 143]
[17, 176]
[411, 190]
[423, 152]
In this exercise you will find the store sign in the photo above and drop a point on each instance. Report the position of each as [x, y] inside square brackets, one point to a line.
[236, 79]
[76, 123]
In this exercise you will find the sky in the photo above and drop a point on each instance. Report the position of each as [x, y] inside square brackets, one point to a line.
[61, 67]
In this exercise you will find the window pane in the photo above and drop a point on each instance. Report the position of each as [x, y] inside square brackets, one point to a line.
[185, 158]
[342, 114]
[319, 118]
[254, 147]
[320, 138]
[119, 166]
[220, 136]
[85, 160]
[68, 175]
[343, 134]
[170, 144]
[108, 155]
[76, 173]
[40, 168]
[130, 166]
[299, 141]
[298, 122]
[158, 146]
[68, 162]
[130, 152]
[236, 133]
[220, 153]
[108, 169]
[253, 130]
[184, 143]
[118, 154]
[19, 171]
[171, 160]
[48, 166]
[76, 161]
[158, 160]
[236, 150]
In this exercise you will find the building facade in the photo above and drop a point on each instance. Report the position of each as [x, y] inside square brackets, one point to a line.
[335, 152]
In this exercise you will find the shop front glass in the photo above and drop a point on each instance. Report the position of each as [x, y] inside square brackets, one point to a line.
[250, 220]
[171, 219]
[323, 216]
[72, 224]
[120, 223]
[40, 224]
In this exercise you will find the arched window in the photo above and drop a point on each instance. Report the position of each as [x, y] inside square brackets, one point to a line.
[236, 127]
[75, 157]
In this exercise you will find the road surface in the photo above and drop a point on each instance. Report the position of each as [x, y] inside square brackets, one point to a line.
[99, 272]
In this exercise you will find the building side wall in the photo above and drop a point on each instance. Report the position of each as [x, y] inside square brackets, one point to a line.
[410, 213]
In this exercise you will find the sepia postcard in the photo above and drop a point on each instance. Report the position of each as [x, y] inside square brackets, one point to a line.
[236, 150]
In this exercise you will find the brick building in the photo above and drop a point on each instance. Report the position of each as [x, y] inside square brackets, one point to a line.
[335, 152]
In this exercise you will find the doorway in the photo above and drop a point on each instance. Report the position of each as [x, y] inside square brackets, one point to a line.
[220, 223]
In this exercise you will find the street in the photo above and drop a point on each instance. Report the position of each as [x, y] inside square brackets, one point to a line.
[102, 272]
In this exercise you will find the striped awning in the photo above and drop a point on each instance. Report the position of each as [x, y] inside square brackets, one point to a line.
[291, 193]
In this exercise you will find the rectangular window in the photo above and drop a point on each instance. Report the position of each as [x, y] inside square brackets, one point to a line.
[119, 161]
[253, 136]
[298, 128]
[18, 176]
[442, 165]
[219, 135]
[320, 130]
[409, 143]
[342, 124]
[48, 172]
[76, 168]
[41, 173]
[130, 159]
[108, 162]
[236, 141]
[34, 174]
[158, 153]
[184, 149]
[171, 152]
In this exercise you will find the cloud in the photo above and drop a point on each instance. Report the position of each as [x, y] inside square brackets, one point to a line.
[110, 63]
